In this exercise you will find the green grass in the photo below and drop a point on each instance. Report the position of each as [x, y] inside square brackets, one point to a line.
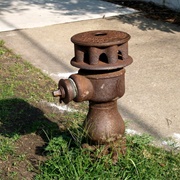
[22, 87]
[6, 146]
[2, 51]
[67, 160]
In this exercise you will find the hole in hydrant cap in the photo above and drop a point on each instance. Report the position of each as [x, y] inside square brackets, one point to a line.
[103, 58]
[100, 34]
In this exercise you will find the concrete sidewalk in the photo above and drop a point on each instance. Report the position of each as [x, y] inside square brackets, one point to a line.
[18, 14]
[151, 103]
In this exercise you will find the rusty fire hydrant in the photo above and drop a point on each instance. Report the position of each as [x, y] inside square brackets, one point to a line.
[101, 56]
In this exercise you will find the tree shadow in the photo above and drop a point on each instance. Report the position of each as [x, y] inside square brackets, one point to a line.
[67, 7]
[139, 20]
[150, 16]
[74, 8]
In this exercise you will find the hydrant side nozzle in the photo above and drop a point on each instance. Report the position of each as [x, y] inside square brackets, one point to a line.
[84, 87]
[67, 90]
[56, 93]
[60, 92]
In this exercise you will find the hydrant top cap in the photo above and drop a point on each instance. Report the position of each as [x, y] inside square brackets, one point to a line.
[100, 38]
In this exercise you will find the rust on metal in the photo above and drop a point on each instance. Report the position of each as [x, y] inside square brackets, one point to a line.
[101, 56]
[100, 38]
[101, 50]
[104, 124]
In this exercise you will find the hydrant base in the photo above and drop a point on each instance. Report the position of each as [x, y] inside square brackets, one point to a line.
[104, 124]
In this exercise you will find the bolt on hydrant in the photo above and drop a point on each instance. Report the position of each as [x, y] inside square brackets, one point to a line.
[101, 56]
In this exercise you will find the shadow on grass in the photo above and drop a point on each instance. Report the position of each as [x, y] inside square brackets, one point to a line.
[19, 117]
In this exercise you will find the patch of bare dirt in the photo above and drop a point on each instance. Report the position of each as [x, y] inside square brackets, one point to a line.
[28, 156]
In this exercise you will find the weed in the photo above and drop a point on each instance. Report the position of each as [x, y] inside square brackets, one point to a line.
[2, 50]
[13, 174]
[142, 161]
[6, 146]
[2, 43]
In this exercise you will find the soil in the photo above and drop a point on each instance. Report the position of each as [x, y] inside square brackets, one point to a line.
[28, 120]
[27, 165]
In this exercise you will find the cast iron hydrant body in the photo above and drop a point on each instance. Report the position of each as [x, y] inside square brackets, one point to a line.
[101, 57]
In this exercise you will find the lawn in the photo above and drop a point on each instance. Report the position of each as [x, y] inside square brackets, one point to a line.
[39, 141]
